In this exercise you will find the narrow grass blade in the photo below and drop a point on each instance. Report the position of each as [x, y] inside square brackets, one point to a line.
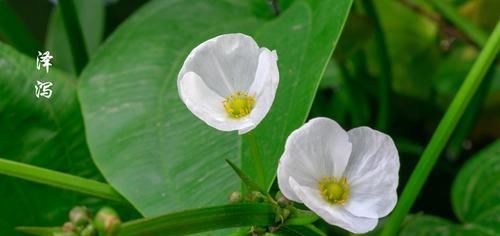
[245, 178]
[202, 220]
[75, 34]
[59, 180]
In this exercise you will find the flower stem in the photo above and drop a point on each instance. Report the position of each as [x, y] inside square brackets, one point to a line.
[257, 162]
[75, 33]
[384, 79]
[274, 7]
[444, 131]
[474, 33]
[59, 180]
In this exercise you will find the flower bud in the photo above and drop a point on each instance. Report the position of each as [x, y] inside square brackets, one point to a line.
[79, 216]
[282, 200]
[255, 196]
[235, 197]
[68, 227]
[88, 231]
[107, 222]
[258, 230]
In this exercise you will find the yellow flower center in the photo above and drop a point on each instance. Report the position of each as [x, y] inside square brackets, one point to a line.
[334, 190]
[239, 105]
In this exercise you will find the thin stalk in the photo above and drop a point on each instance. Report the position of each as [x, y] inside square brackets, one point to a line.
[474, 33]
[274, 6]
[59, 180]
[75, 34]
[202, 220]
[257, 162]
[443, 132]
[385, 77]
[16, 32]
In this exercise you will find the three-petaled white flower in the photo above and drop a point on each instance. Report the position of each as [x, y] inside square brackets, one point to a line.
[229, 82]
[348, 178]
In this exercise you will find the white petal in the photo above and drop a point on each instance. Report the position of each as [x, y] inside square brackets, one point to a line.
[372, 173]
[207, 105]
[333, 214]
[264, 86]
[284, 185]
[318, 149]
[227, 63]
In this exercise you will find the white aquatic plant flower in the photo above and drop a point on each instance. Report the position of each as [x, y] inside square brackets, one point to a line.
[348, 178]
[229, 82]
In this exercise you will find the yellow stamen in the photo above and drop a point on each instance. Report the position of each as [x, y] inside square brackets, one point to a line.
[239, 105]
[334, 190]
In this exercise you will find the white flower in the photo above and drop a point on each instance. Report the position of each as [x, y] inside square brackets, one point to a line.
[348, 178]
[229, 82]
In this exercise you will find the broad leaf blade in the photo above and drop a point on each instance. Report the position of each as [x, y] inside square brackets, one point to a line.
[475, 191]
[146, 142]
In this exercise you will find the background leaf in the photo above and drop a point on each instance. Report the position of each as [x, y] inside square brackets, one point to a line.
[475, 198]
[91, 14]
[476, 190]
[42, 132]
[424, 225]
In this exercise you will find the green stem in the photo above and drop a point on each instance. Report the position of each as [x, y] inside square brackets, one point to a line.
[75, 34]
[257, 162]
[474, 33]
[443, 132]
[385, 77]
[59, 180]
[202, 220]
[16, 32]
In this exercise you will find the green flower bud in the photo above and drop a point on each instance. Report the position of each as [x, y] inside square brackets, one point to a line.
[107, 222]
[235, 197]
[255, 196]
[282, 200]
[79, 216]
[68, 227]
[258, 230]
[88, 231]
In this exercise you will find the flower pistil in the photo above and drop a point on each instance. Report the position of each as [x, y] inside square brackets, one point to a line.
[334, 190]
[239, 105]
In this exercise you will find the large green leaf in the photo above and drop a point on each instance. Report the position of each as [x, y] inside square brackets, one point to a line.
[476, 190]
[143, 138]
[475, 198]
[42, 132]
[304, 37]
